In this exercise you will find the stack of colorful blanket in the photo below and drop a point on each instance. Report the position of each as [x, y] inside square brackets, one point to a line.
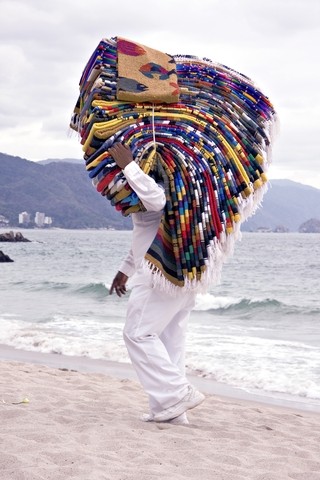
[202, 128]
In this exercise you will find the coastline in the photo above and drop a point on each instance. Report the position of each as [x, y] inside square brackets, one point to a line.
[124, 371]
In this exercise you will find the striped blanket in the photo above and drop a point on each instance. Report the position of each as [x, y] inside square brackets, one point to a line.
[201, 127]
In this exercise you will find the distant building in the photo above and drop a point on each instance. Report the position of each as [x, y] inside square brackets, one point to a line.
[39, 219]
[4, 222]
[24, 218]
[48, 221]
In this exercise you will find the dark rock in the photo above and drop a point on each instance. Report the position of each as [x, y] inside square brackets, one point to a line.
[4, 257]
[13, 237]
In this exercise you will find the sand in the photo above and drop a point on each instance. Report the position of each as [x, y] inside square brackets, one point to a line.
[86, 426]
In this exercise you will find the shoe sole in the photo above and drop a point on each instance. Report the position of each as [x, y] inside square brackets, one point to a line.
[183, 407]
[174, 421]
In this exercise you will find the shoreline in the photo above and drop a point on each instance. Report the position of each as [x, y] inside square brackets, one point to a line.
[124, 371]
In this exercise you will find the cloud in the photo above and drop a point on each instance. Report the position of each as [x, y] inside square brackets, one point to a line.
[44, 47]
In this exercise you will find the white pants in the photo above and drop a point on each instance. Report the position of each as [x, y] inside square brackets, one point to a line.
[154, 334]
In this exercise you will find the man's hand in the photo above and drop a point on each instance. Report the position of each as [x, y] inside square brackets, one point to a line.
[119, 284]
[121, 154]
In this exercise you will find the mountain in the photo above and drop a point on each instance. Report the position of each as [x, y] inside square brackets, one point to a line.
[310, 226]
[62, 190]
[287, 204]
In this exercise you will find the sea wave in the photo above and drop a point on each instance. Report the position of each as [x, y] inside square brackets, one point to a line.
[73, 336]
[251, 362]
[220, 304]
[207, 302]
[49, 285]
[91, 289]
[98, 289]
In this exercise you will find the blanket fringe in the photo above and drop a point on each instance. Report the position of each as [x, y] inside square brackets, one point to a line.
[219, 252]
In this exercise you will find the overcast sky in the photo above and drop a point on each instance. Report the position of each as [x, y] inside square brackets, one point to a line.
[46, 44]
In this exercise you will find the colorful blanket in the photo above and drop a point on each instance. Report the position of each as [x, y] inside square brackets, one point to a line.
[201, 127]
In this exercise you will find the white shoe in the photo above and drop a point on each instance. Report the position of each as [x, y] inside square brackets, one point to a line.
[146, 417]
[191, 400]
[180, 420]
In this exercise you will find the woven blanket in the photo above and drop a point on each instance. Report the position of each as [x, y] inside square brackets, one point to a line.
[207, 135]
[145, 74]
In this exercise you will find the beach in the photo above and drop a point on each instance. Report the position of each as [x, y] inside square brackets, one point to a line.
[70, 402]
[62, 420]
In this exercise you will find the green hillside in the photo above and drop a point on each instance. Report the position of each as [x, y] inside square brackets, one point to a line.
[61, 190]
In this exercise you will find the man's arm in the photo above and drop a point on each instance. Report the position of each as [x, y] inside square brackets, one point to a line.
[126, 270]
[151, 195]
[149, 192]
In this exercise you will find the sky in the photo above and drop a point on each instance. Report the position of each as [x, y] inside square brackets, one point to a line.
[45, 45]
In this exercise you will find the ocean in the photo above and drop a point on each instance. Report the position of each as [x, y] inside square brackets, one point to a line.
[259, 330]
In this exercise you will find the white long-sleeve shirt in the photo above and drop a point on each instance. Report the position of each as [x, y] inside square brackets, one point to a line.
[145, 224]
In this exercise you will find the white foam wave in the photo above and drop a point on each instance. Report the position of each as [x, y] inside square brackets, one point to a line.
[208, 301]
[257, 363]
[79, 337]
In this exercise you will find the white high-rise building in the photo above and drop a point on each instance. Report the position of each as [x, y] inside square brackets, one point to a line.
[24, 218]
[39, 219]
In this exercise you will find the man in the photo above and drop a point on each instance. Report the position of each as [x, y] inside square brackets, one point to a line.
[155, 327]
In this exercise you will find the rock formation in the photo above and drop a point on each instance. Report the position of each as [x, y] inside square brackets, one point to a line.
[13, 237]
[310, 226]
[4, 257]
